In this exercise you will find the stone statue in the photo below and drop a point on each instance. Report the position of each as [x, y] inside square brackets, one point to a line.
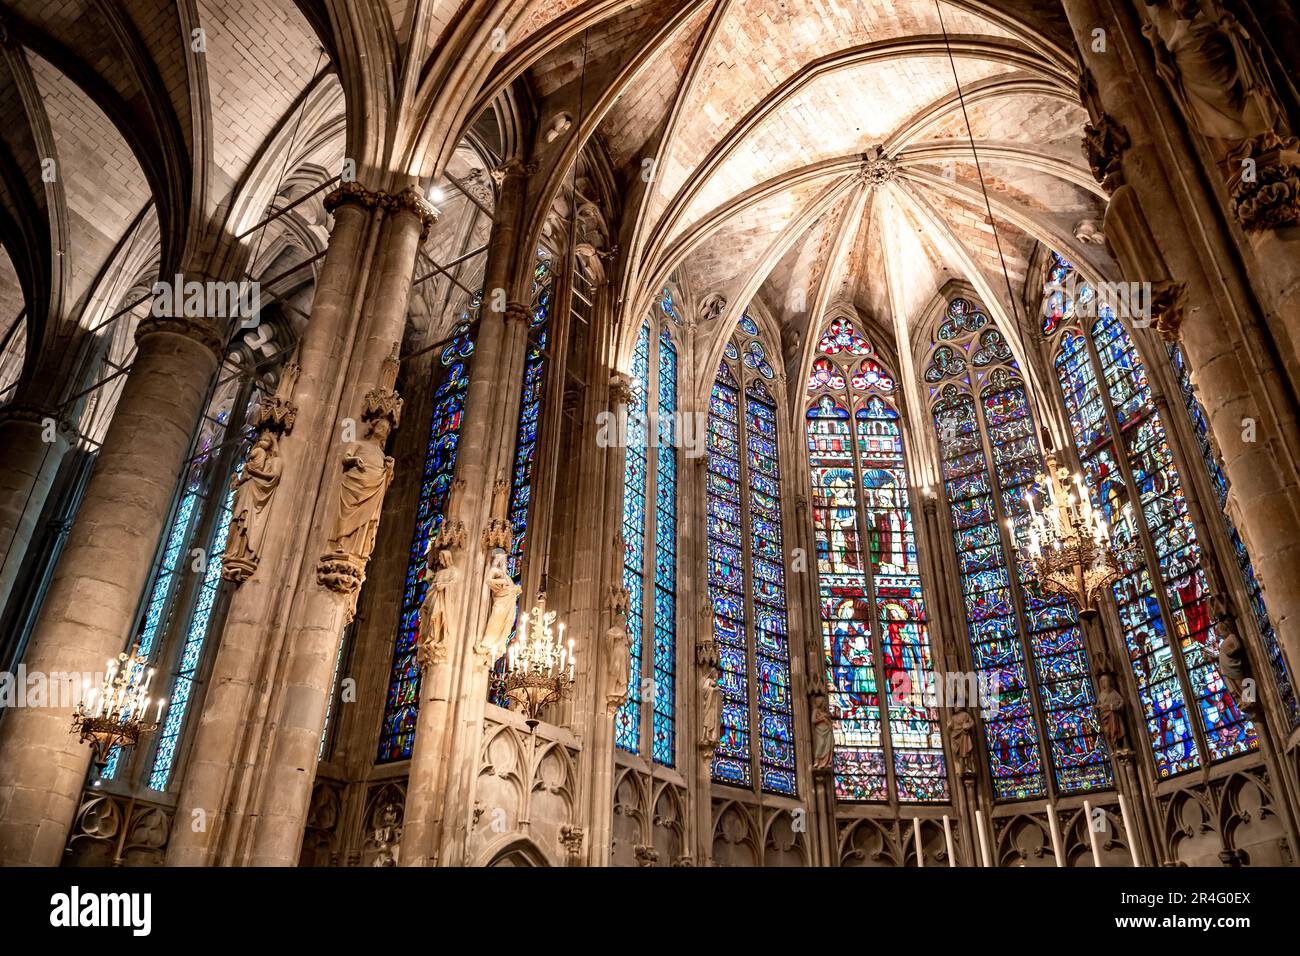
[505, 605]
[961, 736]
[1111, 703]
[710, 711]
[254, 488]
[1235, 667]
[618, 667]
[435, 620]
[823, 733]
[367, 472]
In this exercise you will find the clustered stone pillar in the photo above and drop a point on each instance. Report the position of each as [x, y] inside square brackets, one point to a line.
[453, 691]
[226, 745]
[1167, 229]
[91, 603]
[342, 535]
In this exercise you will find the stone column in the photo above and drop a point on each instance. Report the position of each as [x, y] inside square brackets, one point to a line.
[447, 686]
[91, 604]
[1165, 228]
[226, 736]
[35, 440]
[327, 585]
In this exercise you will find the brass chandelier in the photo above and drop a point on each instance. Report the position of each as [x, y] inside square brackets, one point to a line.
[116, 713]
[1069, 548]
[539, 664]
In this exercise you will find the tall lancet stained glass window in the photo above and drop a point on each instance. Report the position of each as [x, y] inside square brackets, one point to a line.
[397, 733]
[1241, 558]
[1163, 597]
[1040, 724]
[875, 639]
[646, 723]
[527, 433]
[746, 571]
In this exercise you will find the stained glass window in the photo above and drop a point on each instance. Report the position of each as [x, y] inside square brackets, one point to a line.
[169, 735]
[879, 670]
[665, 653]
[527, 433]
[627, 722]
[165, 603]
[650, 481]
[746, 557]
[397, 733]
[1163, 597]
[1027, 648]
[1201, 429]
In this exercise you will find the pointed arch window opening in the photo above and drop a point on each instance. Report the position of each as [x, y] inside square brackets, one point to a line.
[746, 572]
[175, 605]
[646, 722]
[1163, 598]
[875, 638]
[397, 731]
[1043, 735]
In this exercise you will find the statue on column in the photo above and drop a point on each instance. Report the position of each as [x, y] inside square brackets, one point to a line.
[1234, 663]
[254, 488]
[1215, 69]
[618, 674]
[505, 606]
[823, 733]
[961, 737]
[435, 631]
[257, 481]
[618, 653]
[1111, 704]
[710, 713]
[367, 473]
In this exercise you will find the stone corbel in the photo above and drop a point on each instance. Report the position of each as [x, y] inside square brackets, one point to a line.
[1104, 143]
[571, 838]
[1265, 184]
[1168, 299]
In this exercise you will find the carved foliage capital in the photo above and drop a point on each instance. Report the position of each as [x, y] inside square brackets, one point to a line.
[199, 330]
[1265, 186]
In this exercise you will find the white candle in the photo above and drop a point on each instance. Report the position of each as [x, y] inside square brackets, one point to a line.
[1092, 833]
[1128, 830]
[161, 701]
[947, 840]
[1054, 825]
[984, 838]
[916, 838]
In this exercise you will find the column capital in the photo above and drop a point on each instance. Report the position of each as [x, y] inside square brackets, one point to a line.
[411, 201]
[351, 192]
[518, 312]
[199, 330]
[512, 168]
[37, 415]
